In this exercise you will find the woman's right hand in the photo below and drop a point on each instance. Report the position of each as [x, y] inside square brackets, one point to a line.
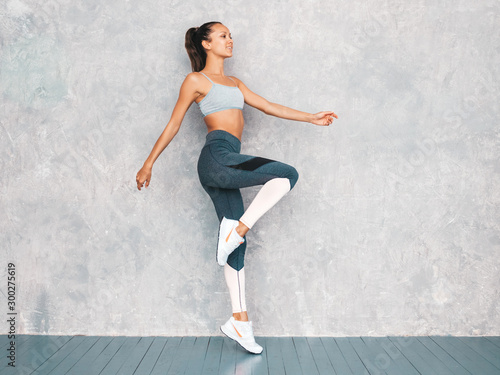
[143, 176]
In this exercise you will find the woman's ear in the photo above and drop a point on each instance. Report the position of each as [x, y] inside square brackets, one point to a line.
[205, 44]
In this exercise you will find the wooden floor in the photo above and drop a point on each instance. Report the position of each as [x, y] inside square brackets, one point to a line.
[219, 355]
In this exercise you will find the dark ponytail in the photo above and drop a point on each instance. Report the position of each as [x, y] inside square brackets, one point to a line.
[194, 48]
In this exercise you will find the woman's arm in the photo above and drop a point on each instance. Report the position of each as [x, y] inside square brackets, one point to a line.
[278, 110]
[187, 95]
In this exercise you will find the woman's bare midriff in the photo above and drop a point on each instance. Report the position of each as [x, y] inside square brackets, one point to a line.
[229, 120]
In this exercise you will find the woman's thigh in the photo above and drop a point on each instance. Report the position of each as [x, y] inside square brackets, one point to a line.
[231, 170]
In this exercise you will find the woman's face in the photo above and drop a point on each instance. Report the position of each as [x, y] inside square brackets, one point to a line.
[221, 43]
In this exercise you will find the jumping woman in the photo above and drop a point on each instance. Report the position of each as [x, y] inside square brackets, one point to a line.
[222, 170]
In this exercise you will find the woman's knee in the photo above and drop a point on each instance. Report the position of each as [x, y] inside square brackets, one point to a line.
[293, 176]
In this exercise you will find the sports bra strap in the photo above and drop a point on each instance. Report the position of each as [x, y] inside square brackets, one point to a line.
[216, 83]
[207, 77]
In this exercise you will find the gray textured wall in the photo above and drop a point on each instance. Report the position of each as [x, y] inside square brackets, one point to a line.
[392, 229]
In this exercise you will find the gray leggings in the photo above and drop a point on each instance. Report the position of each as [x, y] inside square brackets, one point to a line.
[223, 171]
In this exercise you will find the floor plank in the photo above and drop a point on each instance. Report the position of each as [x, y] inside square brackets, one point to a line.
[228, 357]
[468, 358]
[148, 362]
[17, 339]
[182, 357]
[274, 358]
[166, 356]
[104, 357]
[82, 365]
[212, 362]
[78, 355]
[320, 356]
[351, 356]
[337, 358]
[408, 348]
[121, 356]
[48, 366]
[257, 363]
[450, 362]
[429, 357]
[248, 363]
[390, 358]
[4, 341]
[485, 348]
[305, 356]
[133, 360]
[289, 354]
[33, 351]
[22, 345]
[367, 356]
[198, 355]
[495, 340]
[67, 363]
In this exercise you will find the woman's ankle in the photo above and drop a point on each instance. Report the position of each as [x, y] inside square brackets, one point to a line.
[241, 316]
[242, 229]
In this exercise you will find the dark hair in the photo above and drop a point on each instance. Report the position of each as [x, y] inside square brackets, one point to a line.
[194, 48]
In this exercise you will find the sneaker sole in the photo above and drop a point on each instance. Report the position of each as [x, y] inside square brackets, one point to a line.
[236, 340]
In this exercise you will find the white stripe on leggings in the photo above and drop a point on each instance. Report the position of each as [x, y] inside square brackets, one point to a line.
[235, 281]
[272, 191]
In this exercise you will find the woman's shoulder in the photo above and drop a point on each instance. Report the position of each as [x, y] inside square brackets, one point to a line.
[237, 80]
[193, 77]
[194, 81]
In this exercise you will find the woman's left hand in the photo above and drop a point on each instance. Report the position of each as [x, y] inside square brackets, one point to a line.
[323, 118]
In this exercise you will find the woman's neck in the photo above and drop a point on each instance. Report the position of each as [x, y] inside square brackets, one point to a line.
[214, 67]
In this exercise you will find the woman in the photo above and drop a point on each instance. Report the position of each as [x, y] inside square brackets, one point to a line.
[221, 168]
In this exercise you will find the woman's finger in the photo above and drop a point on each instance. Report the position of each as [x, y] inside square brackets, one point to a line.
[138, 182]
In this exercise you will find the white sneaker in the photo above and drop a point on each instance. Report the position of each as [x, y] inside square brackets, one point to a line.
[229, 239]
[242, 333]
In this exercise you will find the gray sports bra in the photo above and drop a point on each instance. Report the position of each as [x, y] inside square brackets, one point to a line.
[221, 97]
